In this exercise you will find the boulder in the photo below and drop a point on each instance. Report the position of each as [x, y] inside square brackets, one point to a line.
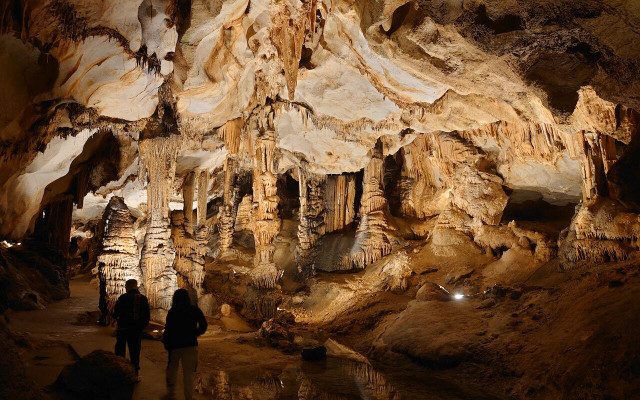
[99, 375]
[225, 310]
[274, 331]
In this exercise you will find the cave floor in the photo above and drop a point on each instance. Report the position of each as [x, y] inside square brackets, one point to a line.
[68, 326]
[232, 364]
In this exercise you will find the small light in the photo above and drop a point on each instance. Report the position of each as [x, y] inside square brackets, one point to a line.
[279, 309]
[155, 331]
[458, 296]
[18, 243]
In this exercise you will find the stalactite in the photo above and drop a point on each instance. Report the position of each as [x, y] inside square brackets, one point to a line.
[230, 133]
[118, 255]
[266, 223]
[340, 194]
[459, 182]
[187, 195]
[596, 251]
[597, 158]
[291, 26]
[373, 238]
[82, 186]
[158, 156]
[311, 226]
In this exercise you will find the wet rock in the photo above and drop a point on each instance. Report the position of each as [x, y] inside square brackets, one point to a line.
[432, 291]
[317, 353]
[99, 375]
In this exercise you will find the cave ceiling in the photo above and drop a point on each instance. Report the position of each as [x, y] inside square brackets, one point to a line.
[494, 93]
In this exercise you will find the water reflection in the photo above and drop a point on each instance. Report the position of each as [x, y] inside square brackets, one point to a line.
[333, 379]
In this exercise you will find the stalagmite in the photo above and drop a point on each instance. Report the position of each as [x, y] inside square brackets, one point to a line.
[187, 194]
[118, 255]
[311, 226]
[373, 238]
[266, 223]
[340, 195]
[158, 156]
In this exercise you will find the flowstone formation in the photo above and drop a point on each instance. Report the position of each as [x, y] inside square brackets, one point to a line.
[373, 239]
[310, 160]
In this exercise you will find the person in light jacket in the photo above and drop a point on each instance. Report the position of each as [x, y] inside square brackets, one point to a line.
[184, 324]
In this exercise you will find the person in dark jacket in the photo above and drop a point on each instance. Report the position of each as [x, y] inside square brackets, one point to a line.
[132, 313]
[184, 324]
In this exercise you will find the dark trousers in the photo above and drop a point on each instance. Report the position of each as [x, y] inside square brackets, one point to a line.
[132, 338]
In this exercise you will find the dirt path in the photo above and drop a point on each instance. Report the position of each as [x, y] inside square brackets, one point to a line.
[59, 322]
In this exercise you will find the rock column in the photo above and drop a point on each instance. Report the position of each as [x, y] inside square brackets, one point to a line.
[187, 195]
[227, 210]
[340, 196]
[158, 156]
[311, 226]
[118, 258]
[373, 240]
[266, 223]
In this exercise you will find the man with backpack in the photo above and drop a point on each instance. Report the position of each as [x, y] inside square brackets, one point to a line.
[132, 313]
